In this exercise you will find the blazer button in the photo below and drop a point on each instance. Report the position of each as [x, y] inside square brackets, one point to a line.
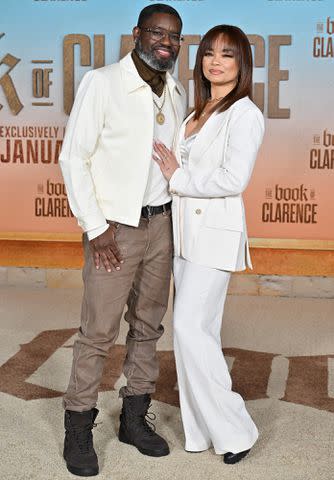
[198, 211]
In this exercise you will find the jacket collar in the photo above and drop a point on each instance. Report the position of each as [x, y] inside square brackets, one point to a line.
[133, 80]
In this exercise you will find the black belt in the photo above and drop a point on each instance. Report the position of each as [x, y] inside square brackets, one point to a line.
[149, 211]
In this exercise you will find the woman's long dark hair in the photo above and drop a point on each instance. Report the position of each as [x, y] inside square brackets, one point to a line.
[236, 40]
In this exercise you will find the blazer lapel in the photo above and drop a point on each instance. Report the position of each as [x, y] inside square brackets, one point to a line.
[181, 136]
[183, 126]
[207, 134]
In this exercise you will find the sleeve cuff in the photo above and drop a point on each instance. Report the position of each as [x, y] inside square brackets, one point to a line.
[178, 180]
[95, 232]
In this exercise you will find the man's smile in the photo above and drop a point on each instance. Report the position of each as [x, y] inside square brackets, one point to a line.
[163, 52]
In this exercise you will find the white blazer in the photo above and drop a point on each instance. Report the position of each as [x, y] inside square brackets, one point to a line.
[208, 213]
[107, 149]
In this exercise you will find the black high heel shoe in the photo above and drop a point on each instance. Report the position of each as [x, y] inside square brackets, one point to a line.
[231, 458]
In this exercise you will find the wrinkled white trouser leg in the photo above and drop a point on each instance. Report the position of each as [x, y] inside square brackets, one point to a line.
[211, 412]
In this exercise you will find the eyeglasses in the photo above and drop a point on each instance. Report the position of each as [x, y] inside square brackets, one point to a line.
[157, 34]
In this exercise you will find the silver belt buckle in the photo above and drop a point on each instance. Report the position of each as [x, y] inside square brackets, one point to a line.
[149, 210]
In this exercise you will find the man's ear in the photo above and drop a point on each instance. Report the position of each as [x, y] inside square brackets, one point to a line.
[135, 33]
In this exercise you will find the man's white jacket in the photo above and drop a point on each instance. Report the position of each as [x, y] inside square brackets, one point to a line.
[107, 149]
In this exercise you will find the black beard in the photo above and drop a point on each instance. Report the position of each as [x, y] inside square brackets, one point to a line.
[157, 64]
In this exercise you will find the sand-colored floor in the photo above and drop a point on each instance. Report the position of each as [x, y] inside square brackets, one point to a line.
[292, 402]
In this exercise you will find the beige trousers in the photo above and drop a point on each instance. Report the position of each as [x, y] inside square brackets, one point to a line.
[143, 285]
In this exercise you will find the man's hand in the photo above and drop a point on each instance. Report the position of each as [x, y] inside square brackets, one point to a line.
[105, 249]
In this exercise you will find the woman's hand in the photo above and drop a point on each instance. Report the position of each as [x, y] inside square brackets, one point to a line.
[165, 159]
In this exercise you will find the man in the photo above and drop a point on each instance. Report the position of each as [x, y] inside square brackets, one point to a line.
[121, 200]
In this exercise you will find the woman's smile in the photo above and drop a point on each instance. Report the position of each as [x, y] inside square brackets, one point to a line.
[215, 71]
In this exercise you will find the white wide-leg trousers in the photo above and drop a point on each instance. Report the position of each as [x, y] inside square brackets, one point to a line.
[211, 413]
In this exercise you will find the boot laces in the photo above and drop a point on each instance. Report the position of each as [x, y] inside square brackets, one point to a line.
[143, 420]
[149, 426]
[84, 437]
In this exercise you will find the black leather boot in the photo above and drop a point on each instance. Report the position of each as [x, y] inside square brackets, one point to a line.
[231, 458]
[79, 452]
[135, 429]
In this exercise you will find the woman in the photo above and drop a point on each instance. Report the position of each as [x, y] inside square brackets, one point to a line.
[212, 165]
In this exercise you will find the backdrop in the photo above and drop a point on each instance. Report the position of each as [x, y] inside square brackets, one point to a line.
[47, 45]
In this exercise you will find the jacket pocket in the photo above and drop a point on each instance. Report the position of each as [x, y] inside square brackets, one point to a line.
[225, 214]
[219, 248]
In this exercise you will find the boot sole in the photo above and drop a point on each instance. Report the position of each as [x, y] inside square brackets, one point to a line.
[150, 453]
[82, 472]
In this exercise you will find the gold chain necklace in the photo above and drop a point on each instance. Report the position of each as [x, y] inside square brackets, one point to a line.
[211, 100]
[214, 99]
[160, 117]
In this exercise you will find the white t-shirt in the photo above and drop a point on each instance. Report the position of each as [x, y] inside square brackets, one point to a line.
[156, 192]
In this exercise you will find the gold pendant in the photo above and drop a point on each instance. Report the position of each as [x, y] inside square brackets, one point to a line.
[160, 118]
